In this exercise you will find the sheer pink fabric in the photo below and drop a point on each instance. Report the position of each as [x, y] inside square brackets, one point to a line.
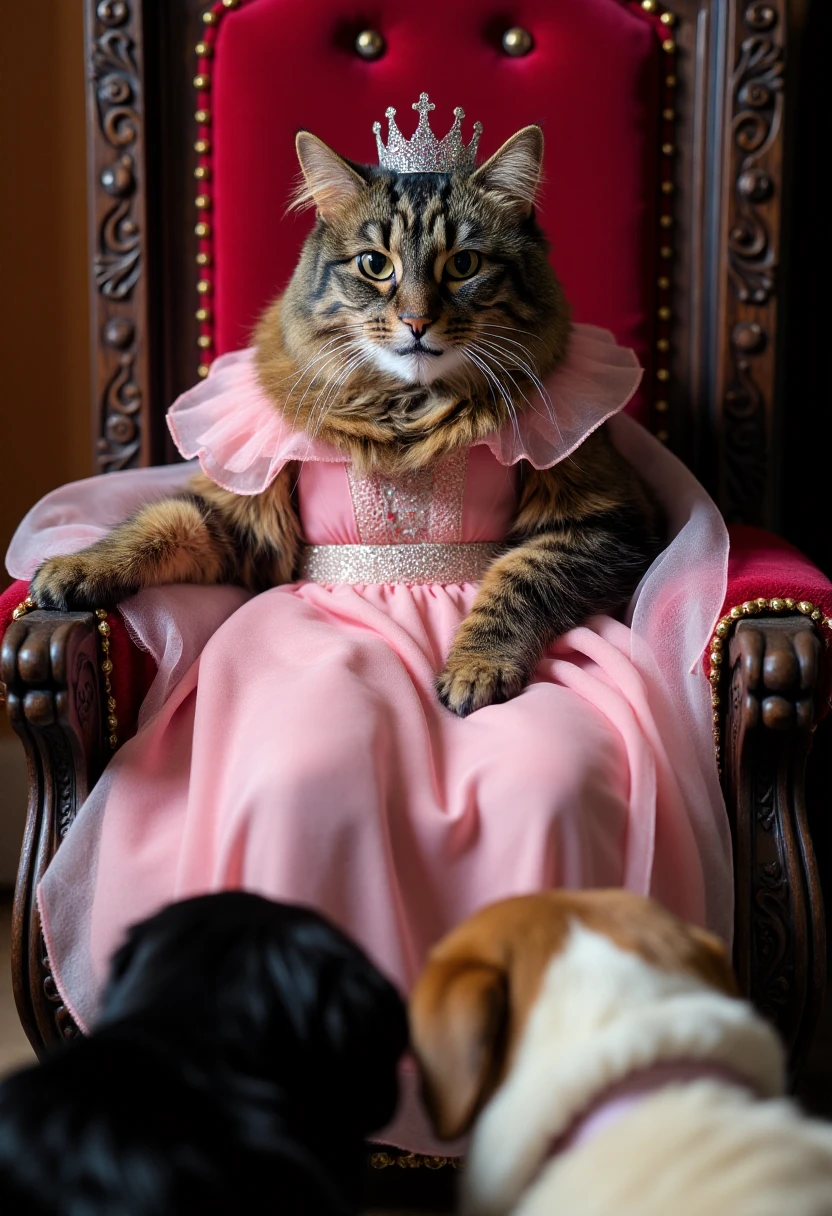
[292, 742]
[242, 442]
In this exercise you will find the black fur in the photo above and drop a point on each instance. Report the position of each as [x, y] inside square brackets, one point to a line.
[244, 1051]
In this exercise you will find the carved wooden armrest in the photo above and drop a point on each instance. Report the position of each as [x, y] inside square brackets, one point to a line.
[50, 666]
[772, 702]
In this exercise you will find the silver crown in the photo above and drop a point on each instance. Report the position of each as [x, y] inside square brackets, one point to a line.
[424, 153]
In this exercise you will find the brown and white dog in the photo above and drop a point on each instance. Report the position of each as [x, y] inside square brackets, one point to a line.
[599, 1050]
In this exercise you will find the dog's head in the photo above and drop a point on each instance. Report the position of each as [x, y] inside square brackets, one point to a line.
[244, 1048]
[275, 989]
[473, 999]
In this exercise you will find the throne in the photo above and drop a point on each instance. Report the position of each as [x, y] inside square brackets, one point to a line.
[665, 145]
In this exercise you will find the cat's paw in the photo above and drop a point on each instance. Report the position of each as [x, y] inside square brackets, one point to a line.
[78, 581]
[474, 679]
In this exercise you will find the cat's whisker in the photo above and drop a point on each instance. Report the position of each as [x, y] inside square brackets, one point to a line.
[332, 357]
[535, 379]
[483, 354]
[333, 384]
[479, 360]
[334, 346]
[512, 329]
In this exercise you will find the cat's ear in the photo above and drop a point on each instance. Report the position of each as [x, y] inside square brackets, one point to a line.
[328, 181]
[513, 172]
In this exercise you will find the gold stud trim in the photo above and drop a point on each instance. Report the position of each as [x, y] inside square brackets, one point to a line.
[27, 605]
[410, 1161]
[667, 146]
[203, 370]
[725, 627]
[204, 50]
[107, 672]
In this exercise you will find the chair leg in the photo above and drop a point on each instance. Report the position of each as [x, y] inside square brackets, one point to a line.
[50, 667]
[780, 936]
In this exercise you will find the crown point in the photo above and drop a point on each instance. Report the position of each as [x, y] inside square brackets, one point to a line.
[424, 153]
[390, 112]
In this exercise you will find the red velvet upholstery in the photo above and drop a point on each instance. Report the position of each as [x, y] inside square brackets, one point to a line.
[595, 80]
[761, 564]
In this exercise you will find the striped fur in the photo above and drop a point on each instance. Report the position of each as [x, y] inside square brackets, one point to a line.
[339, 356]
[207, 535]
[585, 533]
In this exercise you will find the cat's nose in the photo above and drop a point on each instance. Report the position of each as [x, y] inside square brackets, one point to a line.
[416, 325]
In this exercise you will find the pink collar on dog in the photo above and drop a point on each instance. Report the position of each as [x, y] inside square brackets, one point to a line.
[618, 1099]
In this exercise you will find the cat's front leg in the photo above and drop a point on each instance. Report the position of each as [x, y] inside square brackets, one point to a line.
[172, 541]
[499, 643]
[206, 535]
[533, 594]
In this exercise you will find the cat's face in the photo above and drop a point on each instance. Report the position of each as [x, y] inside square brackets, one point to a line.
[419, 289]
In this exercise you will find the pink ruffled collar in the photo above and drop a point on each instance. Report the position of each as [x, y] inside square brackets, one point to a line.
[242, 442]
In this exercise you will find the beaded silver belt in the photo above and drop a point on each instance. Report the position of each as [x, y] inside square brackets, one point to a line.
[411, 564]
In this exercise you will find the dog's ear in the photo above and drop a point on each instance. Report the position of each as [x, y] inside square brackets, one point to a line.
[709, 959]
[458, 1023]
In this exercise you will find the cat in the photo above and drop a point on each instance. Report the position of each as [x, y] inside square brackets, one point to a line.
[426, 292]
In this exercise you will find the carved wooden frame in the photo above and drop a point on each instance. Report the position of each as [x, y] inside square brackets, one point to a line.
[717, 319]
[723, 417]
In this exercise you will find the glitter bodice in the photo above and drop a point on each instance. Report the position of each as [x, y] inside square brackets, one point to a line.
[468, 496]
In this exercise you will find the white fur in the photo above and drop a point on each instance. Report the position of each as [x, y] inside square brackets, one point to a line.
[601, 1014]
[415, 369]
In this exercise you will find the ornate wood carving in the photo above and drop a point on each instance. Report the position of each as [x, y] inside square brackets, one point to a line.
[119, 232]
[780, 949]
[752, 166]
[49, 663]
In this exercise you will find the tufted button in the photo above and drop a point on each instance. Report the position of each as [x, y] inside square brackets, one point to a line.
[517, 41]
[370, 44]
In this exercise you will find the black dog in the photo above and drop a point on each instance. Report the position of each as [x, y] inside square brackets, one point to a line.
[244, 1050]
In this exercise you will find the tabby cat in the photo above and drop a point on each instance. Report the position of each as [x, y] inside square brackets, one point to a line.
[422, 314]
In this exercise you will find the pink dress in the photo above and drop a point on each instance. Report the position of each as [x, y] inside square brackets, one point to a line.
[293, 743]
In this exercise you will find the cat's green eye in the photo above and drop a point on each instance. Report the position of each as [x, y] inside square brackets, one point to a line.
[462, 265]
[375, 265]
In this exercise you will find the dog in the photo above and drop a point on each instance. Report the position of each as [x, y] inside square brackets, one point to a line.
[599, 1051]
[244, 1049]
